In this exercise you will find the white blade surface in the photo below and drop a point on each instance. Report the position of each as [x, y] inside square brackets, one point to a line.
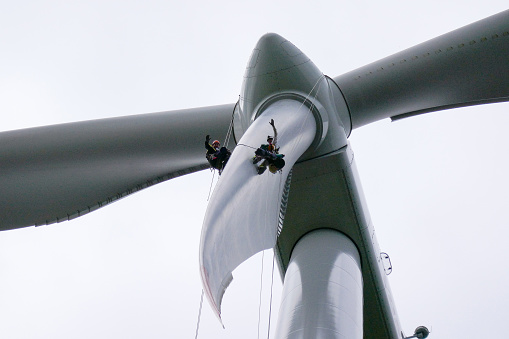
[242, 215]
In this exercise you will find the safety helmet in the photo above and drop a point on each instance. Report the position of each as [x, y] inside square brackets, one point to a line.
[269, 137]
[216, 142]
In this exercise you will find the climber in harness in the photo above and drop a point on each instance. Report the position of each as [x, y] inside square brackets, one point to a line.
[216, 156]
[268, 154]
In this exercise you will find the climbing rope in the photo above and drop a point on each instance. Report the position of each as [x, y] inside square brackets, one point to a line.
[260, 302]
[272, 274]
[271, 290]
[247, 146]
[271, 295]
[229, 132]
[199, 315]
[212, 182]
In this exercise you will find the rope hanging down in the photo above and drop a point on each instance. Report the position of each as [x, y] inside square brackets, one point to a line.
[199, 316]
[273, 265]
[271, 289]
[271, 293]
[260, 302]
[272, 281]
[211, 183]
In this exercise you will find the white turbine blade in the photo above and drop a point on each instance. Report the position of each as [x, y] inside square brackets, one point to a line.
[243, 213]
[56, 173]
[468, 66]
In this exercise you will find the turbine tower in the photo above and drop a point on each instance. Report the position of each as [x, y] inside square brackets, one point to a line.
[312, 213]
[331, 285]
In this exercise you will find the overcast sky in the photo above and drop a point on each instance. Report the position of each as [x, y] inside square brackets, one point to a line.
[436, 184]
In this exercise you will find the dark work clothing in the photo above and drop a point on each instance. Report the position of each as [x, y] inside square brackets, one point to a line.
[271, 158]
[217, 158]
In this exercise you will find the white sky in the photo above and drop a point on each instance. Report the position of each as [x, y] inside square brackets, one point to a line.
[436, 185]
